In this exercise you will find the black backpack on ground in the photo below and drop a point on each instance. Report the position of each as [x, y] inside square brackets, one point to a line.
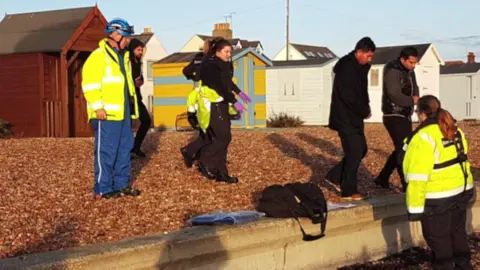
[293, 201]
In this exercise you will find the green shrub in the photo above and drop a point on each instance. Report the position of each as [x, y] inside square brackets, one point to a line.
[5, 129]
[283, 120]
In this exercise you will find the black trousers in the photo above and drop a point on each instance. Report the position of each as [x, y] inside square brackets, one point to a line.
[213, 156]
[446, 235]
[344, 173]
[145, 124]
[194, 148]
[398, 128]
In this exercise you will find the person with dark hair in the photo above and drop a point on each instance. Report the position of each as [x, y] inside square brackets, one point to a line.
[136, 48]
[349, 107]
[191, 152]
[400, 94]
[216, 75]
[440, 184]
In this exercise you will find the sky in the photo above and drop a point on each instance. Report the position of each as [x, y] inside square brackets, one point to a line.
[452, 26]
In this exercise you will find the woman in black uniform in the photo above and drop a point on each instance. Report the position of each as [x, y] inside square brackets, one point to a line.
[215, 73]
[191, 152]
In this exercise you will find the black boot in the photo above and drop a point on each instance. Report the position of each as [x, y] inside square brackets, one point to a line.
[130, 191]
[381, 183]
[111, 195]
[206, 172]
[139, 153]
[186, 159]
[223, 177]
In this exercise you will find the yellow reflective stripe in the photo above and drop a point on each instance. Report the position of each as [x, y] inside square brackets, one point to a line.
[191, 109]
[91, 86]
[97, 105]
[416, 209]
[112, 79]
[416, 177]
[220, 99]
[112, 107]
[448, 193]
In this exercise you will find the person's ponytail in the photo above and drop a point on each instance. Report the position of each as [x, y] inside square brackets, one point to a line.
[447, 124]
[207, 44]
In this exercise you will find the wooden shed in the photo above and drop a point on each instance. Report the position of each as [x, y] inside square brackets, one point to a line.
[171, 88]
[41, 56]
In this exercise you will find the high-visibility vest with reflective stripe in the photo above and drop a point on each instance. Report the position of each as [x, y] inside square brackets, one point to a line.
[199, 101]
[432, 170]
[103, 83]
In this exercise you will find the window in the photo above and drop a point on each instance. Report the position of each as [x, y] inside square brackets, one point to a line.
[150, 70]
[374, 77]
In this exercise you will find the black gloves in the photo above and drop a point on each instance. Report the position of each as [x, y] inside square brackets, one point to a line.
[192, 120]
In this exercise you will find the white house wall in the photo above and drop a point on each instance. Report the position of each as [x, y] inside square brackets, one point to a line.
[155, 51]
[459, 95]
[193, 45]
[294, 54]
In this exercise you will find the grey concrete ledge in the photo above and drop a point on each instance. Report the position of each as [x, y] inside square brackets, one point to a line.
[373, 229]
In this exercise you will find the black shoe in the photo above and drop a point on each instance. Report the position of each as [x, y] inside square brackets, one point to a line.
[382, 184]
[186, 159]
[223, 177]
[111, 195]
[206, 172]
[139, 153]
[130, 191]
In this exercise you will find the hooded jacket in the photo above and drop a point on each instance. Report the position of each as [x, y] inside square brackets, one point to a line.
[136, 64]
[350, 103]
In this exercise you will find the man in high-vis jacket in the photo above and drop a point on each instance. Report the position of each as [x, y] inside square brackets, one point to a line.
[440, 184]
[111, 104]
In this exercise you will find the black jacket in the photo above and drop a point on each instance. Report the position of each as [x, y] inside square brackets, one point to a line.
[350, 103]
[192, 70]
[137, 72]
[217, 75]
[399, 85]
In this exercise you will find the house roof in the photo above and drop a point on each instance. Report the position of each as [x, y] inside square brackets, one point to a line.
[245, 43]
[182, 57]
[307, 62]
[383, 55]
[455, 62]
[311, 52]
[44, 31]
[460, 68]
[143, 37]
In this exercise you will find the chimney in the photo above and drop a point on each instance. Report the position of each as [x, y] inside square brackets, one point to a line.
[222, 30]
[471, 58]
[147, 30]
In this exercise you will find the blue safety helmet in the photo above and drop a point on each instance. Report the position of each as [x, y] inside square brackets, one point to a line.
[121, 26]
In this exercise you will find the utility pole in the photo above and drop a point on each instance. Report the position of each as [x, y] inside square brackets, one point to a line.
[288, 29]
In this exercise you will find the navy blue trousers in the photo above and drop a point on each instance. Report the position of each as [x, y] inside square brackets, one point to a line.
[113, 143]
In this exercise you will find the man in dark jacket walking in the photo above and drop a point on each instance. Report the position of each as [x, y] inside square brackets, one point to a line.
[400, 94]
[136, 48]
[349, 107]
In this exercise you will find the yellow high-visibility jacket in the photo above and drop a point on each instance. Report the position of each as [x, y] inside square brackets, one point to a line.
[433, 172]
[103, 83]
[199, 101]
